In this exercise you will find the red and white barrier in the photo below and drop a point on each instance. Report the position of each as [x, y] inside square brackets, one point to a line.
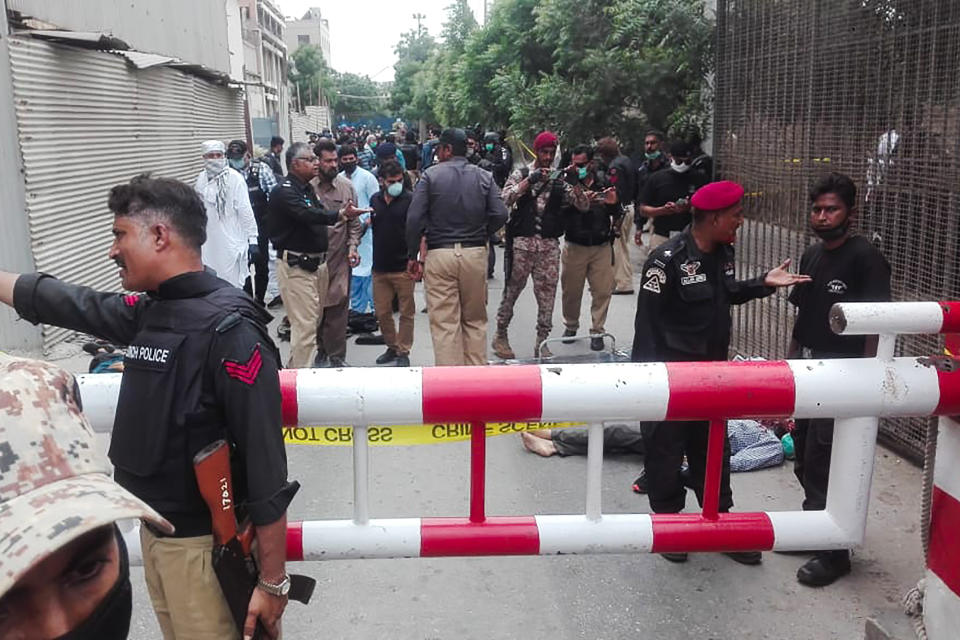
[855, 391]
[941, 606]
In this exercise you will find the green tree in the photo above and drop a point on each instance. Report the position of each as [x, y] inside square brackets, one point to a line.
[358, 97]
[310, 75]
[410, 97]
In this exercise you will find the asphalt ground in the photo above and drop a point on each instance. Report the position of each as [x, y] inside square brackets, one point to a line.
[566, 597]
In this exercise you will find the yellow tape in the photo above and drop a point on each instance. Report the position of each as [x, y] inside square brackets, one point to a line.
[387, 436]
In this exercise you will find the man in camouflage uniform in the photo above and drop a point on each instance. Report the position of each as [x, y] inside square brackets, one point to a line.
[535, 197]
[58, 506]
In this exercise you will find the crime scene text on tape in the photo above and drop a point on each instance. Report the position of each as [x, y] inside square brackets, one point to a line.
[400, 435]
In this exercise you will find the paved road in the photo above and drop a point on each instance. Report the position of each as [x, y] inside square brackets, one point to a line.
[568, 597]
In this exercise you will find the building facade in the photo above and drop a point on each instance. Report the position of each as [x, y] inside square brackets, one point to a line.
[311, 29]
[265, 70]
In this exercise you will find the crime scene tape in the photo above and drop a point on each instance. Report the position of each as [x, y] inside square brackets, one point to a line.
[390, 436]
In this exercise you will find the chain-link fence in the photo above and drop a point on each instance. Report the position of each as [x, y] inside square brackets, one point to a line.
[869, 88]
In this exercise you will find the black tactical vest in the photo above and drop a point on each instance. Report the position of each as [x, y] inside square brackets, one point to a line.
[526, 221]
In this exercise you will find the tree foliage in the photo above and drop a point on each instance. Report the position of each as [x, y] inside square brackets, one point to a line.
[582, 67]
[311, 77]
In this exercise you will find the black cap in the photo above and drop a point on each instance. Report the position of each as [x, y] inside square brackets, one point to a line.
[453, 136]
[236, 149]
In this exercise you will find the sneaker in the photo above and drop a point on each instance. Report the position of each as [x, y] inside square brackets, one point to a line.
[320, 361]
[387, 356]
[338, 363]
[675, 557]
[403, 361]
[640, 484]
[567, 333]
[596, 343]
[283, 331]
[824, 568]
[276, 302]
[745, 557]
[501, 347]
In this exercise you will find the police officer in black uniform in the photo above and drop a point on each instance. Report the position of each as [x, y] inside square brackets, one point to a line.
[683, 314]
[297, 226]
[199, 367]
[260, 182]
[844, 268]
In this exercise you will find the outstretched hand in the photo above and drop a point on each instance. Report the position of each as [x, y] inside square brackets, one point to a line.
[781, 277]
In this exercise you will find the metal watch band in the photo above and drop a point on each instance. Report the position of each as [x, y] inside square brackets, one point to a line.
[279, 589]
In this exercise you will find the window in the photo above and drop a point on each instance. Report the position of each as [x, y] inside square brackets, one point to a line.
[303, 39]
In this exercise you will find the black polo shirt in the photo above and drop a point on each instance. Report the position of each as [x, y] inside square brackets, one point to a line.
[669, 186]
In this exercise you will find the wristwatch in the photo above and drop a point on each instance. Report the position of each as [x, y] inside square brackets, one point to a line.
[280, 589]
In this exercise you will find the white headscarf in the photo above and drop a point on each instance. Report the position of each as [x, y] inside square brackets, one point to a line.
[217, 171]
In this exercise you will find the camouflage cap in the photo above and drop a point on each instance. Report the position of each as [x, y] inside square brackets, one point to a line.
[55, 484]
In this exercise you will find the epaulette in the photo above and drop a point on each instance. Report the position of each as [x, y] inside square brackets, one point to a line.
[665, 253]
[229, 322]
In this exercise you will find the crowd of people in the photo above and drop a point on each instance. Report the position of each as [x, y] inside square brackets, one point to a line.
[354, 222]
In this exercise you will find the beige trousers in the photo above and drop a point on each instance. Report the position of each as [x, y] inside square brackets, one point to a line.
[183, 588]
[303, 296]
[591, 264]
[622, 267]
[657, 240]
[456, 287]
[385, 286]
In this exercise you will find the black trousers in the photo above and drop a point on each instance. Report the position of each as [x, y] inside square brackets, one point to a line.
[261, 269]
[491, 254]
[666, 444]
[813, 444]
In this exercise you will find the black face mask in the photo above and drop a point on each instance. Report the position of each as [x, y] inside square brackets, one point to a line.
[111, 619]
[833, 233]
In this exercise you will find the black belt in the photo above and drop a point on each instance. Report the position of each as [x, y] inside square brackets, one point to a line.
[309, 262]
[469, 244]
[186, 526]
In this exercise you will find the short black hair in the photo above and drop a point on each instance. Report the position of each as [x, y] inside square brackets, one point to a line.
[411, 136]
[582, 148]
[346, 150]
[838, 184]
[175, 202]
[325, 144]
[656, 134]
[456, 138]
[681, 148]
[390, 168]
[276, 140]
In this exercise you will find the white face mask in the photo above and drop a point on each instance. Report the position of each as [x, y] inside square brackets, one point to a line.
[679, 167]
[214, 166]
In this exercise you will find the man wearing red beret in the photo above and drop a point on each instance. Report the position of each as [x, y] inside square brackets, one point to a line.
[683, 314]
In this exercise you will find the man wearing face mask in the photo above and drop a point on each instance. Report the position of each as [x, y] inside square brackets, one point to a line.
[65, 572]
[683, 314]
[620, 175]
[232, 243]
[260, 182]
[649, 162]
[365, 185]
[666, 195]
[844, 267]
[588, 252]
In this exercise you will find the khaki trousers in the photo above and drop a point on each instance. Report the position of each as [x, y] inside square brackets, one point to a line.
[622, 267]
[591, 264]
[183, 588]
[385, 286]
[303, 296]
[456, 285]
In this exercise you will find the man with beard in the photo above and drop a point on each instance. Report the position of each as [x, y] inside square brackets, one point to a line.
[272, 157]
[844, 268]
[199, 367]
[365, 185]
[231, 244]
[648, 163]
[65, 572]
[335, 192]
[683, 314]
[620, 175]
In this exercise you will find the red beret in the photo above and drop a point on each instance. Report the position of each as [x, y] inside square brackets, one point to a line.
[717, 196]
[545, 139]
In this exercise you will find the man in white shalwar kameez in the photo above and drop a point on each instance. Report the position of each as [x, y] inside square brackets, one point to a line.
[231, 227]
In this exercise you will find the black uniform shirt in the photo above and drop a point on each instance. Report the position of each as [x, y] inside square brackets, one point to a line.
[297, 220]
[683, 309]
[620, 175]
[855, 271]
[669, 186]
[232, 390]
[389, 223]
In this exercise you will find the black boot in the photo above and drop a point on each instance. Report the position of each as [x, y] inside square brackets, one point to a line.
[824, 568]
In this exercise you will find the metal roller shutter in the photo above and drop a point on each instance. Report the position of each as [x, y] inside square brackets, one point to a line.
[88, 120]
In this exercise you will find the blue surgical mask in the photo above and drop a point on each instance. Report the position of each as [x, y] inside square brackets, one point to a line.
[582, 173]
[237, 163]
[395, 189]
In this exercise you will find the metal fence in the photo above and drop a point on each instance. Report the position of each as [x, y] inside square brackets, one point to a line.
[870, 88]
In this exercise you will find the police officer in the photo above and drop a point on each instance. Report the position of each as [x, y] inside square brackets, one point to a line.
[199, 367]
[844, 268]
[683, 314]
[297, 226]
[260, 183]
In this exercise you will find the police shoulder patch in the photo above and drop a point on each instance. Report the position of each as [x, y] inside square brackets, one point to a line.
[655, 276]
[245, 372]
